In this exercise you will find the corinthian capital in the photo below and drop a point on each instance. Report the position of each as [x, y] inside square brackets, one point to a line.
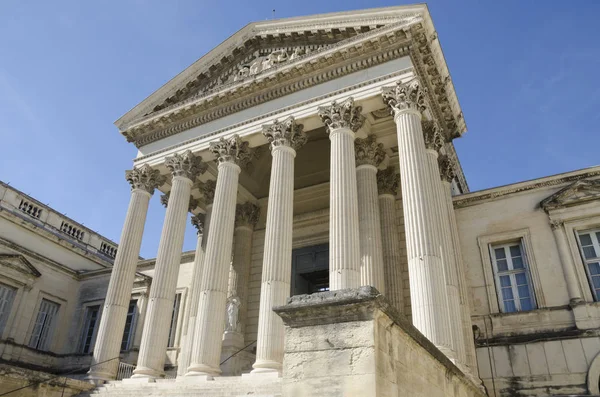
[246, 214]
[446, 168]
[198, 222]
[285, 133]
[186, 164]
[368, 151]
[405, 96]
[342, 115]
[208, 190]
[431, 134]
[388, 181]
[164, 199]
[232, 150]
[144, 178]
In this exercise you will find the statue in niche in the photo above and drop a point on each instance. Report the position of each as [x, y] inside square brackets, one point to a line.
[233, 308]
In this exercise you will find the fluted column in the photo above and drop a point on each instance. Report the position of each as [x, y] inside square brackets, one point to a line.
[566, 262]
[202, 223]
[388, 181]
[185, 168]
[369, 155]
[285, 137]
[447, 173]
[426, 271]
[342, 120]
[210, 321]
[143, 181]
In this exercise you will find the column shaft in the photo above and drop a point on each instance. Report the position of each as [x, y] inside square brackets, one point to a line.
[369, 225]
[114, 314]
[210, 320]
[448, 259]
[567, 263]
[465, 305]
[426, 272]
[394, 289]
[188, 343]
[277, 262]
[155, 336]
[344, 243]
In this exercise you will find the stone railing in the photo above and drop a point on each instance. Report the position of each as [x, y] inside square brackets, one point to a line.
[43, 218]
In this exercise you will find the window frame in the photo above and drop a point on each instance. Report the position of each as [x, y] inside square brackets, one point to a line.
[524, 235]
[173, 340]
[85, 326]
[511, 272]
[132, 326]
[594, 233]
[6, 313]
[48, 340]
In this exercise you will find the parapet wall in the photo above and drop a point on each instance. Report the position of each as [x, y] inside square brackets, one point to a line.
[353, 343]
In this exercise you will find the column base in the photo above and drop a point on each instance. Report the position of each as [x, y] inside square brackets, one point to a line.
[266, 367]
[202, 370]
[146, 373]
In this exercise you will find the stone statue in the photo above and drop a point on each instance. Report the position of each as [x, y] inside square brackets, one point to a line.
[233, 309]
[242, 73]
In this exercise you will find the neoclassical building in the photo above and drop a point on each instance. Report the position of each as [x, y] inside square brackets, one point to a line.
[340, 251]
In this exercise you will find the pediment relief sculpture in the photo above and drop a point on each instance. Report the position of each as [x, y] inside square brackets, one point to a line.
[20, 264]
[577, 193]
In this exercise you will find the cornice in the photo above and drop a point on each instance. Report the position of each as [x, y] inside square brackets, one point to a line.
[473, 198]
[222, 131]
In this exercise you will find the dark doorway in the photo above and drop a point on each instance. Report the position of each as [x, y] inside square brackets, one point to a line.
[310, 269]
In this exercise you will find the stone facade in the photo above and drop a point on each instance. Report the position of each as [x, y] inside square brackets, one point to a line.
[313, 154]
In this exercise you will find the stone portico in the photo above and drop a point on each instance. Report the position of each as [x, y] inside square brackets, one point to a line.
[298, 134]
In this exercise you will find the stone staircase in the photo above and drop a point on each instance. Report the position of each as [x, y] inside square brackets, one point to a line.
[226, 386]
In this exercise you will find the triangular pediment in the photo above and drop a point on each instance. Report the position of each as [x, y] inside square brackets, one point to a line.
[577, 193]
[20, 264]
[262, 46]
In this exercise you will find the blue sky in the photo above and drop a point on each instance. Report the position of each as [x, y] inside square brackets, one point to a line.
[526, 74]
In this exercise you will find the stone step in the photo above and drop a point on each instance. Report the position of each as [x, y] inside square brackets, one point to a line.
[234, 386]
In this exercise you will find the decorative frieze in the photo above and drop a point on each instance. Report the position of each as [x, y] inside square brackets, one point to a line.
[232, 150]
[368, 151]
[405, 96]
[198, 222]
[446, 168]
[285, 133]
[246, 214]
[388, 181]
[342, 115]
[144, 178]
[432, 136]
[186, 164]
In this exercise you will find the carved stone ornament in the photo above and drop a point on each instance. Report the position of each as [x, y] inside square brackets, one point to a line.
[446, 168]
[368, 151]
[232, 323]
[431, 134]
[405, 96]
[198, 222]
[388, 181]
[193, 204]
[208, 190]
[342, 115]
[285, 133]
[246, 214]
[144, 178]
[186, 164]
[164, 199]
[232, 150]
[556, 224]
[580, 192]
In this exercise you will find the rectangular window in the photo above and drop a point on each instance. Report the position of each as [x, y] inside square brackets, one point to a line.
[512, 278]
[130, 323]
[41, 337]
[90, 327]
[589, 243]
[174, 317]
[7, 296]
